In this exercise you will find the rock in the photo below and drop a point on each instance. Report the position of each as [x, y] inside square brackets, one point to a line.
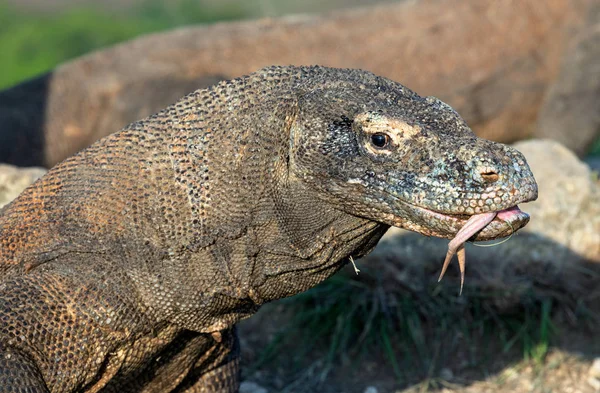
[251, 387]
[594, 383]
[595, 368]
[13, 180]
[571, 110]
[594, 375]
[371, 389]
[568, 207]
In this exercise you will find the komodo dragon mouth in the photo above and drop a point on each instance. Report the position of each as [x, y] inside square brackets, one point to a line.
[482, 226]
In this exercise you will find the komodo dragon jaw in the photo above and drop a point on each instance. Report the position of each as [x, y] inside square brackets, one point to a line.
[417, 166]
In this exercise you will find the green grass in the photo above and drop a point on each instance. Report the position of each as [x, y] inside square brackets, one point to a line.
[33, 43]
[595, 150]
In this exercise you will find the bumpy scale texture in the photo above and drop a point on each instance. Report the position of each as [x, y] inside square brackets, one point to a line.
[126, 267]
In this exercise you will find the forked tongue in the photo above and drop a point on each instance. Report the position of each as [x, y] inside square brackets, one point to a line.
[457, 245]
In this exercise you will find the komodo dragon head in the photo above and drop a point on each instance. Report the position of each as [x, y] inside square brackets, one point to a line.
[383, 152]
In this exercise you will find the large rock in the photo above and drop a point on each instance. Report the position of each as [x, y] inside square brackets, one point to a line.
[571, 111]
[492, 60]
[568, 208]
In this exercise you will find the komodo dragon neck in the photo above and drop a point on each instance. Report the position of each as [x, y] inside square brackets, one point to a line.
[183, 203]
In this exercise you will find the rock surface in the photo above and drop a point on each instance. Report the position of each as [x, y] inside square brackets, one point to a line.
[568, 207]
[13, 180]
[594, 375]
[571, 110]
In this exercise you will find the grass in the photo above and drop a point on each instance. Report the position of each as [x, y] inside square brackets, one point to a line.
[595, 150]
[417, 333]
[33, 43]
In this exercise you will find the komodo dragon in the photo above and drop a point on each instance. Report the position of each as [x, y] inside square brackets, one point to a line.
[126, 267]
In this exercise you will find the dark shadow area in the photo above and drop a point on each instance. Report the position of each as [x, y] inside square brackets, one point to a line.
[394, 327]
[41, 123]
[22, 122]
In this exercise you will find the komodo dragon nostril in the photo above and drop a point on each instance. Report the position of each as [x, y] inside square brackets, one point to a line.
[489, 175]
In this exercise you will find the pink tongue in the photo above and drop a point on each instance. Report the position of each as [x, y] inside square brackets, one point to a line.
[508, 214]
[476, 223]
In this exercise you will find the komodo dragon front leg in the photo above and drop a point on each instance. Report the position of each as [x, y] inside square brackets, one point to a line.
[126, 267]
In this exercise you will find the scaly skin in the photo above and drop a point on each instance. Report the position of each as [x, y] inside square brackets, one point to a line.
[126, 267]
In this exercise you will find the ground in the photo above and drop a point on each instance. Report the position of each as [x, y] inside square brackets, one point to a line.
[398, 330]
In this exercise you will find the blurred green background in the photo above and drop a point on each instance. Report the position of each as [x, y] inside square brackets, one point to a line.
[36, 35]
[35, 39]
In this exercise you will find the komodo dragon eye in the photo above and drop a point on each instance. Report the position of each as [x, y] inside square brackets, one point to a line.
[380, 140]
